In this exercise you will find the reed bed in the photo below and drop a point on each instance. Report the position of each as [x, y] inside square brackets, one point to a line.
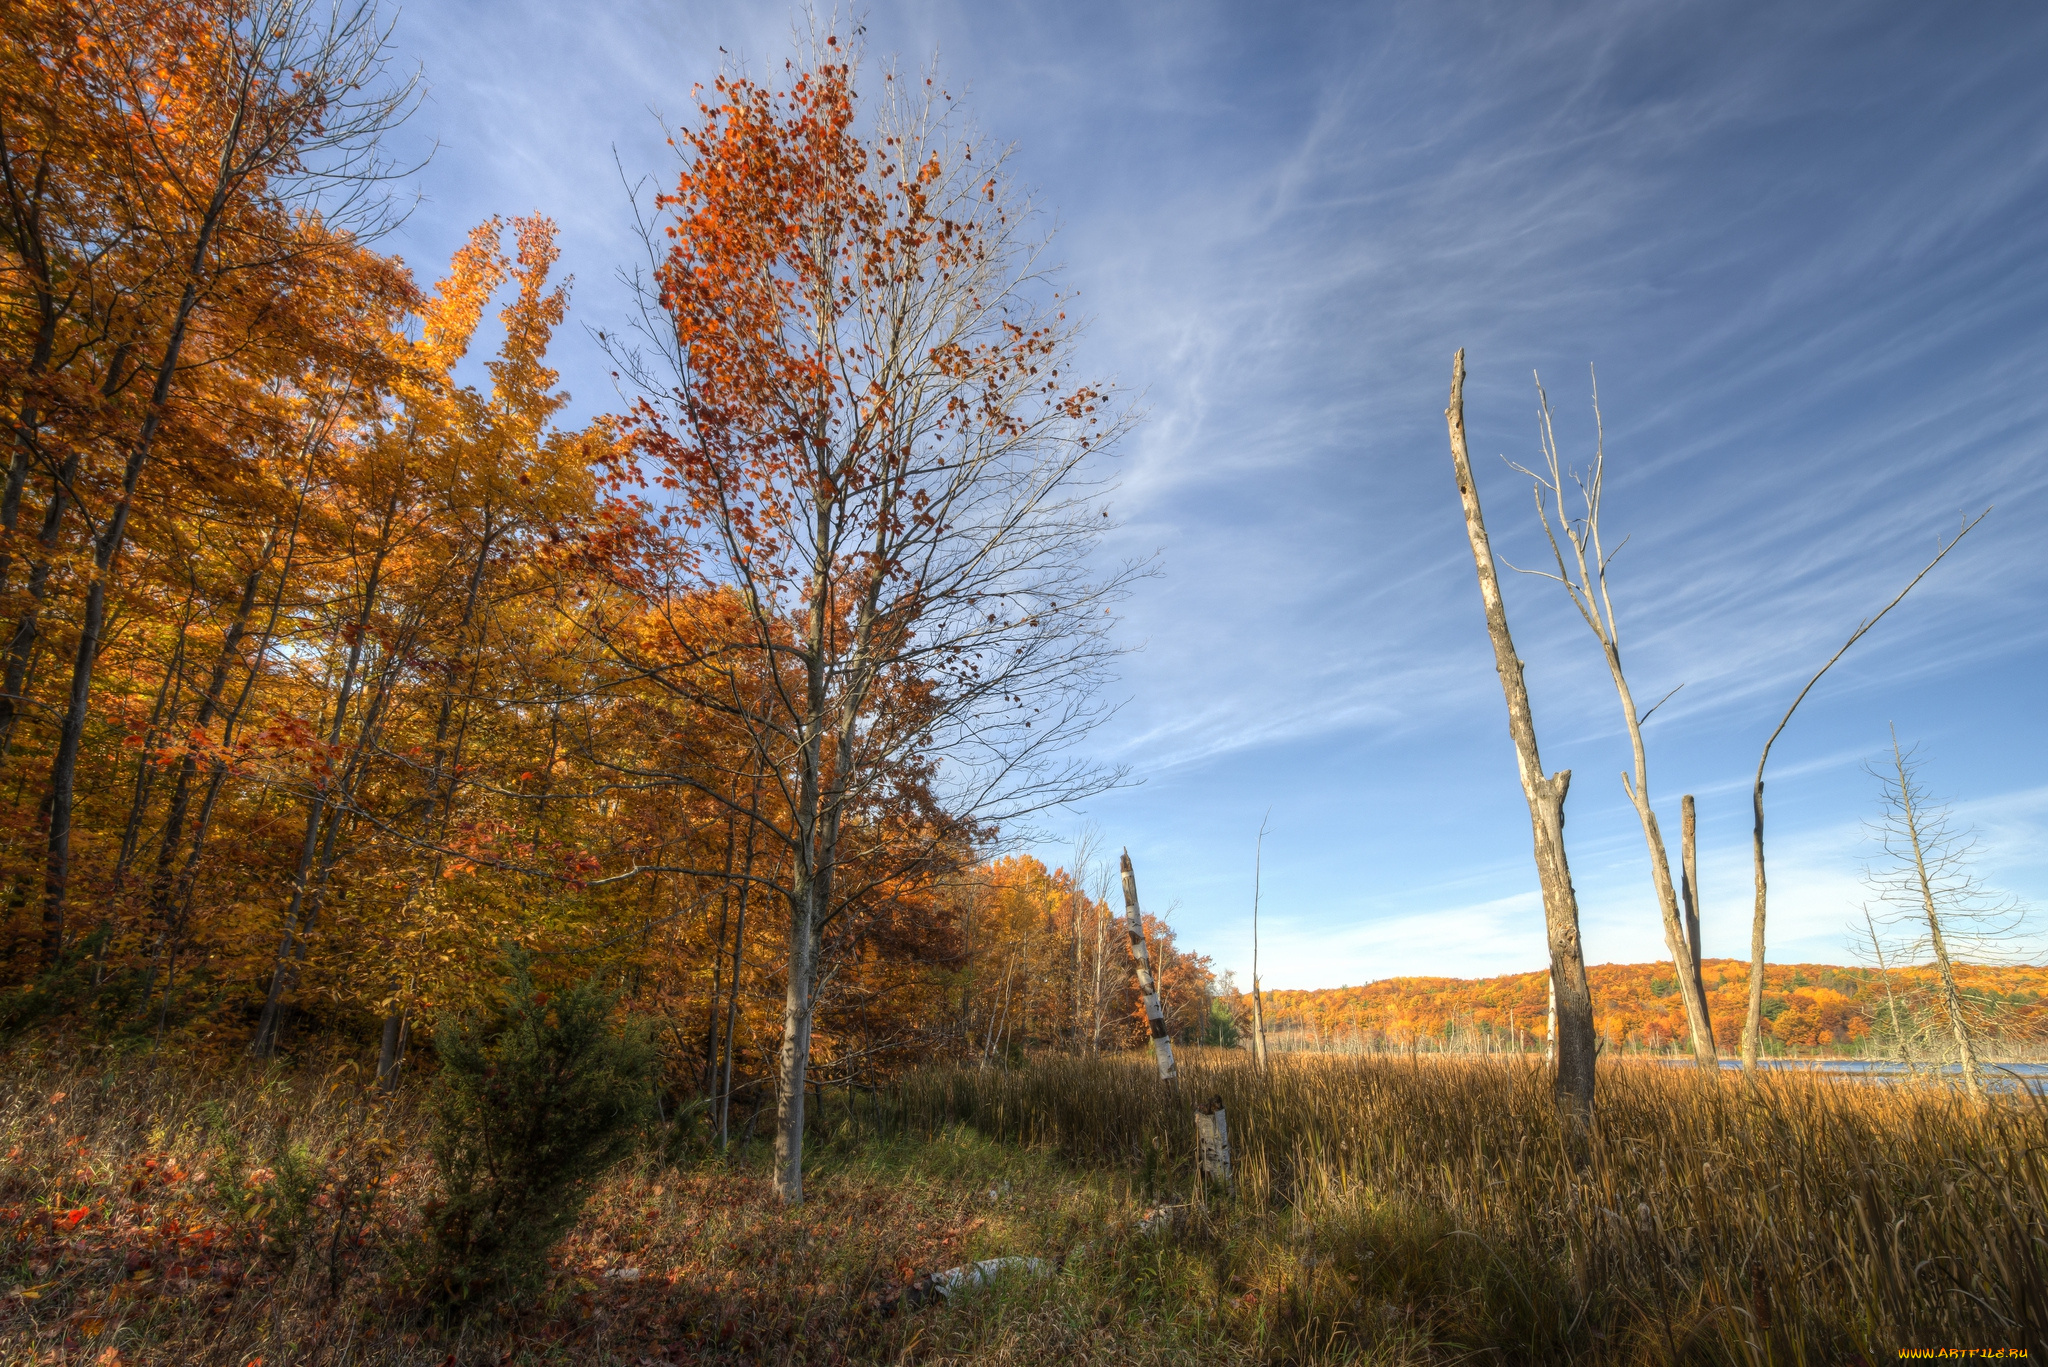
[1780, 1219]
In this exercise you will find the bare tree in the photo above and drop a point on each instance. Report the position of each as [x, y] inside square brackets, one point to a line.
[1584, 576]
[1752, 1025]
[1572, 1031]
[1934, 897]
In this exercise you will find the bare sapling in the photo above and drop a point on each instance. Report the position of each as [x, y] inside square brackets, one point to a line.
[1258, 1006]
[1934, 898]
[1689, 884]
[1141, 958]
[1584, 576]
[1571, 1026]
[1752, 1025]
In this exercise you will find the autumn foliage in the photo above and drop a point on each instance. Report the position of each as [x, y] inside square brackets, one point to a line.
[1808, 1008]
[336, 661]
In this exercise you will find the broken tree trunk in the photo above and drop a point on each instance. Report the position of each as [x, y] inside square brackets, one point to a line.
[1752, 1026]
[1689, 883]
[1155, 1017]
[1212, 1143]
[1573, 1027]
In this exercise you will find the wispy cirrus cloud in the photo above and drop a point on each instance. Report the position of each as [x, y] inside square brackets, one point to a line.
[1807, 248]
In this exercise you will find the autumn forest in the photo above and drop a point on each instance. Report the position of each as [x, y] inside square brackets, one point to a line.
[336, 666]
[389, 762]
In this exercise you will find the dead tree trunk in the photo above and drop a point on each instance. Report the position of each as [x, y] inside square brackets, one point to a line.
[1584, 579]
[1155, 1017]
[1573, 1029]
[1212, 1143]
[1689, 883]
[1752, 1026]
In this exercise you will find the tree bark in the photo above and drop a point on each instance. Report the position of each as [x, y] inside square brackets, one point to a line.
[1155, 1017]
[1573, 1028]
[794, 1060]
[1212, 1143]
[1689, 874]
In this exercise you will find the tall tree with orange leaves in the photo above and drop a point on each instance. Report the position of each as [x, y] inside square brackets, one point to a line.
[240, 156]
[861, 416]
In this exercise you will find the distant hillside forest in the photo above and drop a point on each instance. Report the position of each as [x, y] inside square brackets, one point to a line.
[1808, 1008]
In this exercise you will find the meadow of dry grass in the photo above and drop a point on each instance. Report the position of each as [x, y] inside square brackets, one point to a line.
[1387, 1211]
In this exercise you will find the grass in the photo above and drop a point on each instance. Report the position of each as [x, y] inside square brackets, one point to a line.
[1784, 1219]
[1386, 1211]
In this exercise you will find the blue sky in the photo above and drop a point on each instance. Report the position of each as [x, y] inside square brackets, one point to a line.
[1806, 247]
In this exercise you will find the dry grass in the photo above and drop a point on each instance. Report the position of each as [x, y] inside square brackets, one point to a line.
[1388, 1212]
[1706, 1218]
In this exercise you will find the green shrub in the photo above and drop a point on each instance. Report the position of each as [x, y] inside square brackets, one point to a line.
[537, 1097]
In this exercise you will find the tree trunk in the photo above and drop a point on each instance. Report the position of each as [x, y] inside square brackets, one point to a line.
[1752, 1026]
[22, 646]
[1212, 1143]
[106, 552]
[794, 1062]
[739, 942]
[1753, 1019]
[1258, 1026]
[1155, 1017]
[1660, 878]
[303, 899]
[1572, 1030]
[1689, 874]
[1951, 996]
[390, 1051]
[181, 792]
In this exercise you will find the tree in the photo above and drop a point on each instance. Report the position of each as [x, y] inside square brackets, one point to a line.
[252, 136]
[1752, 1026]
[1585, 581]
[1575, 1042]
[860, 416]
[1934, 897]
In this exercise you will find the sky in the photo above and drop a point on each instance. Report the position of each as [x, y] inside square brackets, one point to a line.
[1804, 247]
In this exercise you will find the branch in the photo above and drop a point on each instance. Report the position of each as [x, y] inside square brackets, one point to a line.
[1857, 635]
